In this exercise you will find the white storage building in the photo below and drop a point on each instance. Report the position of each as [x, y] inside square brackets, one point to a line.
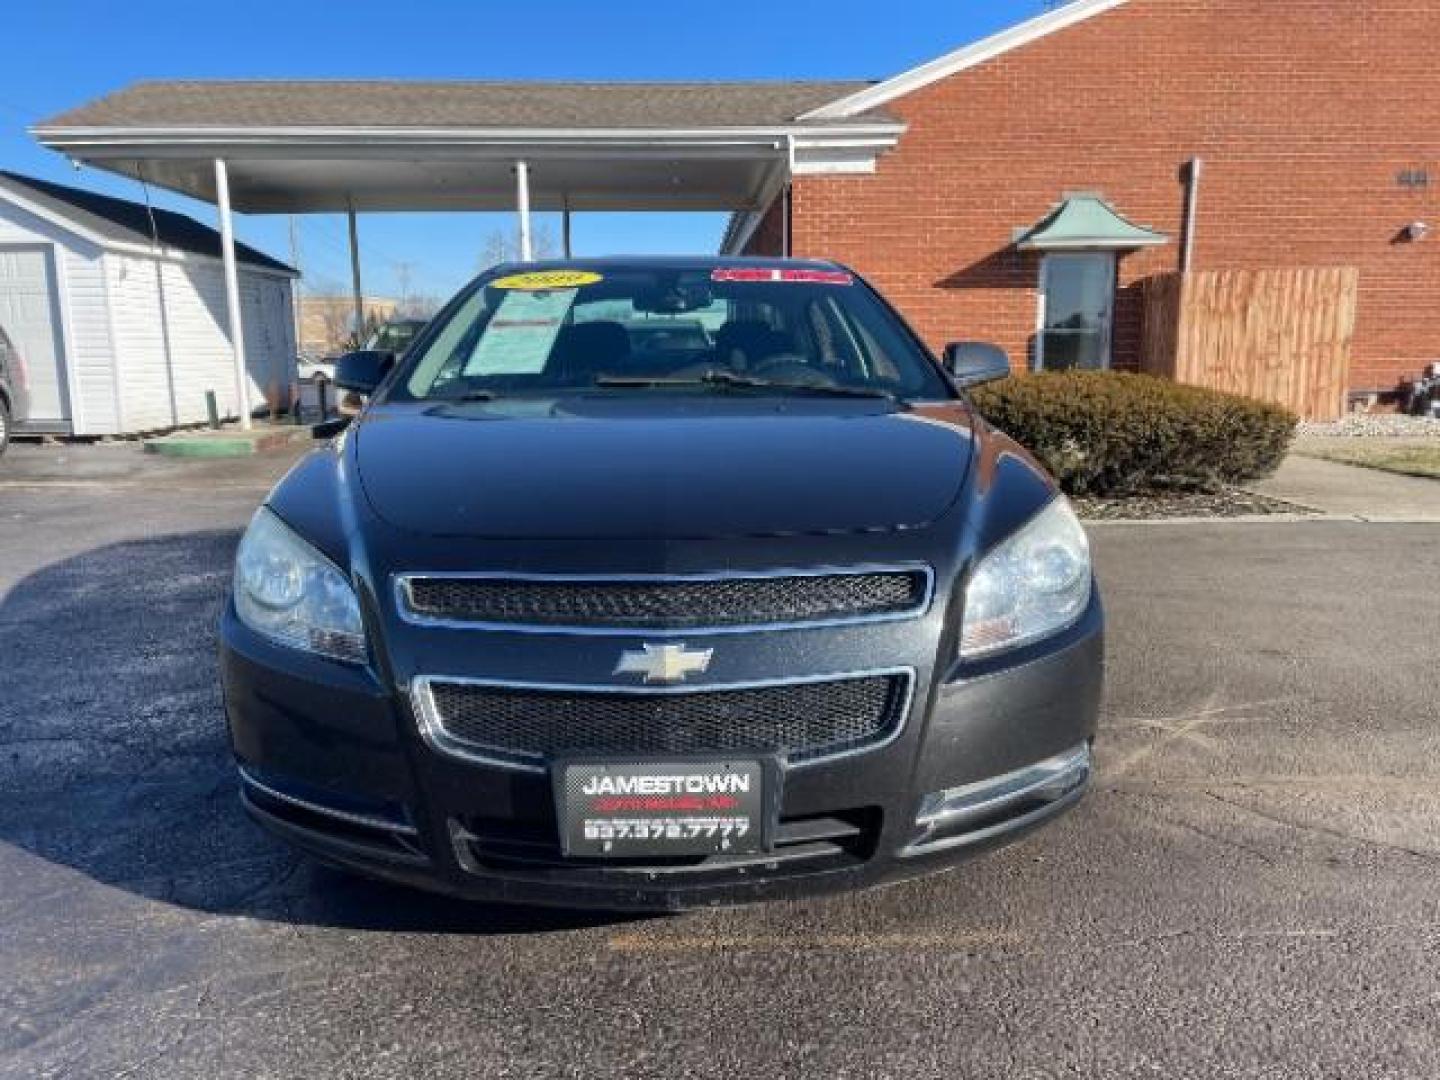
[119, 312]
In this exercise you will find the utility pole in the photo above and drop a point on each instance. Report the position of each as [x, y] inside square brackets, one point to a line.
[402, 275]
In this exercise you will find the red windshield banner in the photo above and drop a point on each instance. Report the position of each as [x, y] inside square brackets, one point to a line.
[756, 275]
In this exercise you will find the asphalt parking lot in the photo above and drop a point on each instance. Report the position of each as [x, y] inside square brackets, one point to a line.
[1253, 888]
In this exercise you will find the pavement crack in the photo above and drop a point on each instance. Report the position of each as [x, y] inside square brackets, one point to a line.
[272, 884]
[1190, 826]
[1321, 830]
[186, 1027]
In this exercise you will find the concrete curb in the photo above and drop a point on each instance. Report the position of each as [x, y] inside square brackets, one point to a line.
[226, 444]
[1268, 519]
[1305, 509]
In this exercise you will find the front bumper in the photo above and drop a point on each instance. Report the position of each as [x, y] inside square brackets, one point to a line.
[335, 763]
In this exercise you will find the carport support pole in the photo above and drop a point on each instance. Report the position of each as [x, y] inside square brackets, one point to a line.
[232, 292]
[355, 288]
[522, 208]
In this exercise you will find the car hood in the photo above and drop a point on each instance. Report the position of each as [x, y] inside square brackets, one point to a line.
[661, 469]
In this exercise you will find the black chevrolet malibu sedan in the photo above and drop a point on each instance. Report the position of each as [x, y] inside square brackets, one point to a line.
[660, 584]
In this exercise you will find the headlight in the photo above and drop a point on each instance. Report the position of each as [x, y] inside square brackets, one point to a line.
[1031, 585]
[292, 594]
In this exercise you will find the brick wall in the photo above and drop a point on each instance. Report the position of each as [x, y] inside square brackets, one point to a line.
[1304, 112]
[326, 322]
[769, 236]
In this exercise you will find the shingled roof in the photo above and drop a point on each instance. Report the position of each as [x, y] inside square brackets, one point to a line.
[460, 105]
[123, 221]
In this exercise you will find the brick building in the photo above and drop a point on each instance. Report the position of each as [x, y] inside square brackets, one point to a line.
[1031, 188]
[1317, 125]
[328, 322]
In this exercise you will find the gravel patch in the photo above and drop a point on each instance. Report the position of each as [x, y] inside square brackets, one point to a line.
[1383, 425]
[1226, 503]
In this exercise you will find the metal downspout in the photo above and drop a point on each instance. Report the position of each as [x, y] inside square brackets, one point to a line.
[1192, 203]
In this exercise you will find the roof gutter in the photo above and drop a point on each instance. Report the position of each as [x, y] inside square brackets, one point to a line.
[1192, 209]
[775, 137]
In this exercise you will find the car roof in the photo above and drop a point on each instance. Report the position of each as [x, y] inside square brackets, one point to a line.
[673, 262]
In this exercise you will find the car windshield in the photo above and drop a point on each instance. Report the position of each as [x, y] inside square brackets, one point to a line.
[703, 329]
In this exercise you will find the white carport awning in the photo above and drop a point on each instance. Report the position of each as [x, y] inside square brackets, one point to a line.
[299, 147]
[313, 147]
[301, 173]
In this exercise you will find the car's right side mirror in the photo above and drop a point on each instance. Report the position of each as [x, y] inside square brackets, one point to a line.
[972, 363]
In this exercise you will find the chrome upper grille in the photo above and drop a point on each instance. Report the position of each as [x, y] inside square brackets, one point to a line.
[681, 604]
[528, 726]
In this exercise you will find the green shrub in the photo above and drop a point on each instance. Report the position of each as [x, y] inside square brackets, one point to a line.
[1106, 433]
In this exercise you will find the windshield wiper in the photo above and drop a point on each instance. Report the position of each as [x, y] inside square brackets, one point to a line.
[473, 395]
[730, 380]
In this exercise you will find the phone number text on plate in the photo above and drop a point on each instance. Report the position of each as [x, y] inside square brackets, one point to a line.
[689, 828]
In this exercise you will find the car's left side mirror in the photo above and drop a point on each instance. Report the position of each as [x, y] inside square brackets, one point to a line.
[361, 372]
[972, 363]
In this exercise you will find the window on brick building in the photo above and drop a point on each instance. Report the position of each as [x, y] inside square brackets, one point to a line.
[1077, 304]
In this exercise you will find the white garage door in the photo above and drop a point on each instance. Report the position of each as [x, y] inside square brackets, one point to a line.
[30, 316]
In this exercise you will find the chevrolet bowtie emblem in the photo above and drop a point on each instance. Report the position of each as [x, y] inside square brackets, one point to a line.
[664, 663]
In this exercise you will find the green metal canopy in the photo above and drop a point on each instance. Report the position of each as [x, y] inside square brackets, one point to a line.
[1087, 223]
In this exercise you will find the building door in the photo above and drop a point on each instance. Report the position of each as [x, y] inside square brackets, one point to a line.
[275, 311]
[1077, 306]
[278, 330]
[30, 317]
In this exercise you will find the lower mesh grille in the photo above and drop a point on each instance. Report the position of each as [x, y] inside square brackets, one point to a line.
[800, 721]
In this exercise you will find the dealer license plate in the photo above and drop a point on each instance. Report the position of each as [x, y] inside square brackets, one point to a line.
[660, 809]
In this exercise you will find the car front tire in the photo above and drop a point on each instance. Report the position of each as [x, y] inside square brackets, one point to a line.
[4, 424]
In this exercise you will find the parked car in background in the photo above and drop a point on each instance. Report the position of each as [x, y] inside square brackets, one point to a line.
[581, 615]
[14, 398]
[312, 368]
[392, 337]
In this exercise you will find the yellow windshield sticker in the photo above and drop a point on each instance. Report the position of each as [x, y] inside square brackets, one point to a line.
[541, 280]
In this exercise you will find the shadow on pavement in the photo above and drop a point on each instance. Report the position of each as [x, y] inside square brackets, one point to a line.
[114, 760]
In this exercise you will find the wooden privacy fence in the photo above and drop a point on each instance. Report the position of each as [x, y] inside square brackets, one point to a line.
[1278, 335]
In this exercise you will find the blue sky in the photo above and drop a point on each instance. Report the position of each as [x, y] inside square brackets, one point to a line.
[64, 53]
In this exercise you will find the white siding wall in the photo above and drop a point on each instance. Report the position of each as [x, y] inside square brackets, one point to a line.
[137, 365]
[92, 351]
[89, 355]
[170, 324]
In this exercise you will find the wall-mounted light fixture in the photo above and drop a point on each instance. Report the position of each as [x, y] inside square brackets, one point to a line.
[1416, 231]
